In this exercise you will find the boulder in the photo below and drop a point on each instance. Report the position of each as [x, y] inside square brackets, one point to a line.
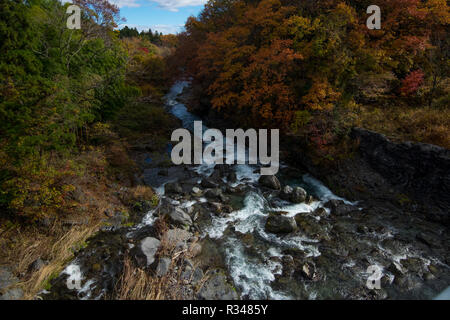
[280, 224]
[173, 188]
[174, 236]
[217, 288]
[339, 207]
[163, 266]
[36, 265]
[178, 217]
[214, 194]
[298, 195]
[195, 249]
[208, 183]
[270, 181]
[149, 247]
[286, 193]
[196, 192]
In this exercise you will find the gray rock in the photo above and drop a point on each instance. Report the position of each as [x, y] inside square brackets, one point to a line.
[280, 224]
[173, 188]
[298, 195]
[7, 280]
[339, 207]
[197, 192]
[270, 182]
[214, 194]
[173, 236]
[208, 183]
[149, 247]
[36, 265]
[197, 276]
[286, 193]
[178, 217]
[163, 266]
[217, 288]
[196, 249]
[12, 294]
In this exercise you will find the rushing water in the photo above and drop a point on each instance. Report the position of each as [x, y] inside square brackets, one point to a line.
[252, 269]
[254, 265]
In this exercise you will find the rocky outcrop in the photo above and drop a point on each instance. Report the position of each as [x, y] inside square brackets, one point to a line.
[422, 170]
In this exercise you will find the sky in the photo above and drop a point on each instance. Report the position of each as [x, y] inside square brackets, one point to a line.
[166, 16]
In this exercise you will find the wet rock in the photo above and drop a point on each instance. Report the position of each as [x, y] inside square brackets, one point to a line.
[141, 233]
[163, 172]
[216, 207]
[414, 265]
[320, 212]
[298, 195]
[308, 271]
[178, 217]
[280, 224]
[339, 207]
[208, 183]
[212, 255]
[173, 188]
[217, 288]
[214, 194]
[311, 227]
[286, 193]
[294, 195]
[429, 239]
[196, 192]
[239, 190]
[396, 269]
[149, 247]
[231, 177]
[163, 266]
[270, 181]
[309, 199]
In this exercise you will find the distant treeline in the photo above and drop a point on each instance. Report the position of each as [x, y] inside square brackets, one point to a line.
[153, 37]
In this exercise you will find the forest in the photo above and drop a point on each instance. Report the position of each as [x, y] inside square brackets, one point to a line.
[314, 69]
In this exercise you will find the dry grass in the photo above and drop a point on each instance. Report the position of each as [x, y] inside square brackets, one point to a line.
[21, 247]
[427, 125]
[139, 284]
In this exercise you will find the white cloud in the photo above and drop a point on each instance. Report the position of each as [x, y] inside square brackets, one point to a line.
[126, 3]
[174, 5]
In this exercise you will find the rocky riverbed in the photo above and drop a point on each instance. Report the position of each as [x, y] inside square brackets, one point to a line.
[246, 236]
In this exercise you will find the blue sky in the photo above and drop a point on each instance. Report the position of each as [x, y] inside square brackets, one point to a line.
[166, 16]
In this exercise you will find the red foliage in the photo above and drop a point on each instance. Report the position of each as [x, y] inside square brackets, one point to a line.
[412, 83]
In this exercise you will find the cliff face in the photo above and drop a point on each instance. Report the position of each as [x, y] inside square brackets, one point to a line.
[413, 177]
[421, 170]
